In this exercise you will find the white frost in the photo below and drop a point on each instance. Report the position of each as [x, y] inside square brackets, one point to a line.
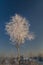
[19, 29]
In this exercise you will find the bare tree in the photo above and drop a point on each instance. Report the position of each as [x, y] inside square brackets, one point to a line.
[18, 29]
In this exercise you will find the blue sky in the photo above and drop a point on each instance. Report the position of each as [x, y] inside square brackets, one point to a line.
[31, 10]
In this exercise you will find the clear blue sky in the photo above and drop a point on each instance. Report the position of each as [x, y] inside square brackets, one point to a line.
[31, 10]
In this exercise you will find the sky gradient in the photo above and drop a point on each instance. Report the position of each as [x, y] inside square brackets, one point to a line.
[31, 10]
